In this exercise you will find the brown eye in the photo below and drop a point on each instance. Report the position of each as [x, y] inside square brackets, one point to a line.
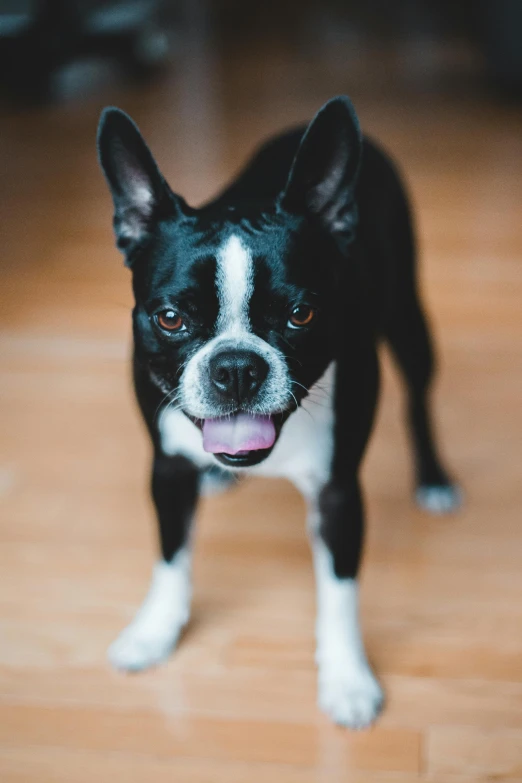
[170, 321]
[301, 315]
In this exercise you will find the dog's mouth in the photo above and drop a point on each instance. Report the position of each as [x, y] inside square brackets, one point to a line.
[240, 439]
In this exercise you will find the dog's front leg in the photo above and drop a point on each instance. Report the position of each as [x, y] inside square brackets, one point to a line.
[153, 633]
[348, 690]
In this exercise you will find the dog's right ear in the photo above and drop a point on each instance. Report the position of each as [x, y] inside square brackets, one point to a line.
[324, 173]
[140, 194]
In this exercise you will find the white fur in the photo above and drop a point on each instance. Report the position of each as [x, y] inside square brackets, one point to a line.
[180, 436]
[438, 500]
[303, 452]
[235, 277]
[213, 484]
[234, 281]
[153, 633]
[141, 197]
[348, 690]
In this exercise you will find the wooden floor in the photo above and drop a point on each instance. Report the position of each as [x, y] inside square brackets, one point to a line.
[442, 598]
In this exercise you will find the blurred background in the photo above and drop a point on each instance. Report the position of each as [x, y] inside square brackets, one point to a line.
[440, 85]
[57, 48]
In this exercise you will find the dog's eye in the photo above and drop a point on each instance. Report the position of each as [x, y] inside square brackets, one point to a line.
[170, 321]
[301, 315]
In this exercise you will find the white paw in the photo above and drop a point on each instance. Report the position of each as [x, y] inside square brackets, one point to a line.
[438, 499]
[140, 647]
[353, 699]
[153, 633]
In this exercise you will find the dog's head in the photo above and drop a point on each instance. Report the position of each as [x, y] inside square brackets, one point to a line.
[233, 301]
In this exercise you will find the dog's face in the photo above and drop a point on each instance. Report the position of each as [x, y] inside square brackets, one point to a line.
[233, 300]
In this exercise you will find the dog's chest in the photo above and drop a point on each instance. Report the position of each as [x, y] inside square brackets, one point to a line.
[303, 452]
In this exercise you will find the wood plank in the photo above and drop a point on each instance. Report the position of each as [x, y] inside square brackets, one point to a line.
[73, 766]
[465, 750]
[178, 735]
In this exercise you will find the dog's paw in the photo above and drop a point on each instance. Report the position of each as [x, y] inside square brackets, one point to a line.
[140, 647]
[438, 499]
[153, 633]
[352, 699]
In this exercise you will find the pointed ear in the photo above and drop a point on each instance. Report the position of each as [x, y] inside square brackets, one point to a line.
[324, 173]
[140, 194]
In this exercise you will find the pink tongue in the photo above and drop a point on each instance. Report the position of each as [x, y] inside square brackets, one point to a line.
[240, 432]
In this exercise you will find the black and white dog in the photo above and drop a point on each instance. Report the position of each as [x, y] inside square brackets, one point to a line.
[256, 327]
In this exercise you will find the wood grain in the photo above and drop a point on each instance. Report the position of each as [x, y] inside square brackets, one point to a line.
[458, 749]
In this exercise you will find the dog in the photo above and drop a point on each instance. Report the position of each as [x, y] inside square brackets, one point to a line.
[256, 325]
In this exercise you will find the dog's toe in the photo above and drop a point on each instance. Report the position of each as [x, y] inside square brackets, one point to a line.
[140, 648]
[353, 702]
[438, 499]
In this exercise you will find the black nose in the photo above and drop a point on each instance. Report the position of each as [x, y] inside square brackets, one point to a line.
[237, 375]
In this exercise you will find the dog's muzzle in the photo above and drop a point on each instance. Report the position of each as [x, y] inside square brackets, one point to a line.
[237, 392]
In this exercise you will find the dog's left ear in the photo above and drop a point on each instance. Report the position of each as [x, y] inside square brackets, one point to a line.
[324, 172]
[141, 195]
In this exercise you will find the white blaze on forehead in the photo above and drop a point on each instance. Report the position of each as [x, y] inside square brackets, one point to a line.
[235, 282]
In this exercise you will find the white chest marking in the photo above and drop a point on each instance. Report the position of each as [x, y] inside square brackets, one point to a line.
[303, 453]
[180, 436]
[235, 279]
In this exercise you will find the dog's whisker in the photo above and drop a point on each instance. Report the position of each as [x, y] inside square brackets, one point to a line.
[299, 384]
[162, 406]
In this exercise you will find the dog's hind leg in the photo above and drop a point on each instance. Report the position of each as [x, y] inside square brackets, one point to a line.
[408, 336]
[386, 226]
